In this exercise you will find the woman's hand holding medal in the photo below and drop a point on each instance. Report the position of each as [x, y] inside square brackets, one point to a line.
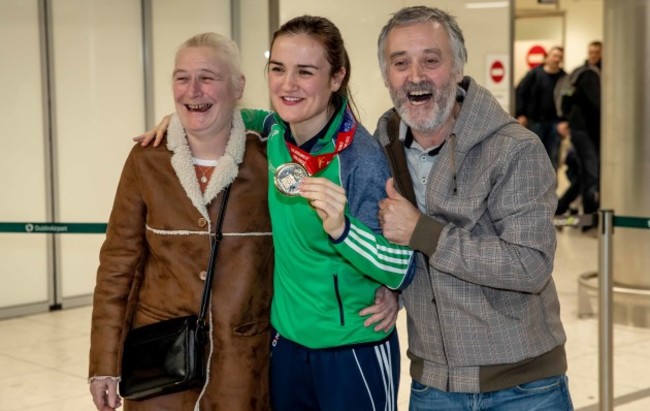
[329, 201]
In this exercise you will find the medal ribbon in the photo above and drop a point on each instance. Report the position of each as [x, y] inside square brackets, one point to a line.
[315, 163]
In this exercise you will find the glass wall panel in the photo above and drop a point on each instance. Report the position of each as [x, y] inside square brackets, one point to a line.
[254, 43]
[23, 257]
[98, 105]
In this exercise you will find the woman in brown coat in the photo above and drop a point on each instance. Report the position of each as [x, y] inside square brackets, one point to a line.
[154, 259]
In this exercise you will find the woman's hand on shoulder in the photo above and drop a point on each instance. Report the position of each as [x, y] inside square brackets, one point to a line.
[156, 134]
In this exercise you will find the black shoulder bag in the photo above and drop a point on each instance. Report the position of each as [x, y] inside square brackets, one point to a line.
[169, 356]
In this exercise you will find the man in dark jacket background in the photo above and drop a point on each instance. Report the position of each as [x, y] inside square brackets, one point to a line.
[583, 113]
[535, 105]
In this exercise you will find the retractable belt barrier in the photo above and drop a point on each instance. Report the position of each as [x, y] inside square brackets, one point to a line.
[576, 220]
[632, 222]
[52, 228]
[588, 220]
[30, 227]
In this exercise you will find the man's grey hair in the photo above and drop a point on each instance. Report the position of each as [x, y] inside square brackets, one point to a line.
[421, 14]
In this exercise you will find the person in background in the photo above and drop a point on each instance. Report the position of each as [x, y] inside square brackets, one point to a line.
[155, 256]
[535, 103]
[572, 192]
[330, 257]
[583, 113]
[474, 195]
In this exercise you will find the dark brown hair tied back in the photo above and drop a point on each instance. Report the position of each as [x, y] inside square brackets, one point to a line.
[329, 36]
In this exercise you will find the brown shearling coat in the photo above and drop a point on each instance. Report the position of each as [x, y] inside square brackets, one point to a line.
[157, 244]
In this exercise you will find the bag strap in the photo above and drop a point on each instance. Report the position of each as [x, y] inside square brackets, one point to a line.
[205, 300]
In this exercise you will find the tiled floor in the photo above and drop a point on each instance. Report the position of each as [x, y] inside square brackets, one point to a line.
[43, 358]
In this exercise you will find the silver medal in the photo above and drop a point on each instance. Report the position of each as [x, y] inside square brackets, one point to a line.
[288, 177]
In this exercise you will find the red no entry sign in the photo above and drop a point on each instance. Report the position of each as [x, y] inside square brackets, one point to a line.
[535, 56]
[497, 71]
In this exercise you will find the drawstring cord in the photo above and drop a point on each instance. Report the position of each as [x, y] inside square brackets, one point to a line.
[452, 137]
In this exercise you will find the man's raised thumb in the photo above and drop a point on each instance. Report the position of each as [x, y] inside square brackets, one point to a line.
[390, 190]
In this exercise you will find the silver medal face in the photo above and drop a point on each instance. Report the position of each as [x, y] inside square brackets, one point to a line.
[288, 177]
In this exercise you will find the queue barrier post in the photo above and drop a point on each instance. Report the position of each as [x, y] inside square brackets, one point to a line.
[605, 287]
[605, 311]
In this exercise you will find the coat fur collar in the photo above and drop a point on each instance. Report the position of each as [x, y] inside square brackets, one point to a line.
[225, 172]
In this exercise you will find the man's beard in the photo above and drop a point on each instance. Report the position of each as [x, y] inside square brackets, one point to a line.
[422, 118]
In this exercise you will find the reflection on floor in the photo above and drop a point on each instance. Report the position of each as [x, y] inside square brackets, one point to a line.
[43, 358]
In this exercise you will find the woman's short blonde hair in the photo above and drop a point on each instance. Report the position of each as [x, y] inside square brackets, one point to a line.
[226, 50]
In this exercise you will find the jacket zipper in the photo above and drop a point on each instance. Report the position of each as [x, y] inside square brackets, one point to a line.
[338, 299]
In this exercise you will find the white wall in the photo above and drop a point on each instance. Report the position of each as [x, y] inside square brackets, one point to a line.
[254, 38]
[174, 21]
[487, 32]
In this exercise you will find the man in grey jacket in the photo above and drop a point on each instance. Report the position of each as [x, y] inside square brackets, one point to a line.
[474, 194]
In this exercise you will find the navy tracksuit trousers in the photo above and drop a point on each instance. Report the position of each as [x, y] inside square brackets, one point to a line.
[353, 377]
